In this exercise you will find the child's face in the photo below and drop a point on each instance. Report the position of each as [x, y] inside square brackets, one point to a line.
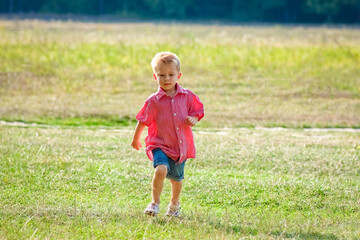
[167, 74]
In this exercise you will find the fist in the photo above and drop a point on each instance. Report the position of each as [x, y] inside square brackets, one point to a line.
[191, 120]
[136, 144]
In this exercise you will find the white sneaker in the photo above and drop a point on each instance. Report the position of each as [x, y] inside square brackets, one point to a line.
[173, 210]
[152, 209]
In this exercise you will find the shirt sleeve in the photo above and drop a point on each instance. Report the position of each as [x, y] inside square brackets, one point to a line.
[146, 114]
[196, 107]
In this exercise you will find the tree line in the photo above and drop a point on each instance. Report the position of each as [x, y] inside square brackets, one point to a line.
[281, 11]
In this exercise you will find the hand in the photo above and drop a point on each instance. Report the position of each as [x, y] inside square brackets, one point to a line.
[191, 120]
[136, 144]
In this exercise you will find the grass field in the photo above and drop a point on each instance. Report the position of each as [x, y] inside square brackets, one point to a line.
[73, 175]
[246, 76]
[76, 183]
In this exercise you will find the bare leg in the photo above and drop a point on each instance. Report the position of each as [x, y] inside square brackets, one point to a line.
[158, 182]
[176, 190]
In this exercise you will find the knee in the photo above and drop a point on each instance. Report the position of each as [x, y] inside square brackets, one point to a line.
[161, 171]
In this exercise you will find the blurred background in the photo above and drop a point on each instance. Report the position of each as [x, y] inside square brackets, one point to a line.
[281, 11]
[288, 63]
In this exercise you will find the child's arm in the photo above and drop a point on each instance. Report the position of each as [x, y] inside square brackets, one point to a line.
[136, 138]
[192, 120]
[196, 110]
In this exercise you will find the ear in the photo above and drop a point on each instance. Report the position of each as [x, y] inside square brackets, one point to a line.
[179, 76]
[155, 76]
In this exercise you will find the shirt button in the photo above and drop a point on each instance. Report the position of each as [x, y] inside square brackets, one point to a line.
[172, 100]
[174, 114]
[177, 128]
[180, 141]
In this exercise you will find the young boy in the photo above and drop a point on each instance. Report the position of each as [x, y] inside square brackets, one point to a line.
[169, 115]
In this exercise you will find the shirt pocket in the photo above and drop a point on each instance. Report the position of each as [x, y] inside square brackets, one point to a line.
[183, 112]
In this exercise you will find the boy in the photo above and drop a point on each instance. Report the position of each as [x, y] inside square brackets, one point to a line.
[169, 114]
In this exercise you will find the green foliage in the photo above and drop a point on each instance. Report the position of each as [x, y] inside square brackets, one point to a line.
[309, 11]
[76, 7]
[329, 8]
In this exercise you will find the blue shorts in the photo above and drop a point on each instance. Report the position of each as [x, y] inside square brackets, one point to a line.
[175, 169]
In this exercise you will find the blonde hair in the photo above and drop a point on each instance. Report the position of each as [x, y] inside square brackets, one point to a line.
[165, 57]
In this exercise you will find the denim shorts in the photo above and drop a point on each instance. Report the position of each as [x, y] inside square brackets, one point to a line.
[175, 169]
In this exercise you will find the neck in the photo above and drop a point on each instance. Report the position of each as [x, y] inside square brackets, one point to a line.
[170, 92]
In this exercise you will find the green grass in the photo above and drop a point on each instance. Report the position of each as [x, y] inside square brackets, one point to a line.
[277, 76]
[74, 175]
[246, 183]
[90, 121]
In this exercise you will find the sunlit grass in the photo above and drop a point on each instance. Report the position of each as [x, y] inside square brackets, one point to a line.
[75, 175]
[245, 183]
[269, 76]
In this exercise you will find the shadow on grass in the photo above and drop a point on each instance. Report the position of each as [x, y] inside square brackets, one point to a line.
[96, 120]
[196, 221]
[312, 235]
[247, 229]
[220, 224]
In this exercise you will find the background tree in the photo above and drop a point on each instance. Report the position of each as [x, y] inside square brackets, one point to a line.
[326, 7]
[286, 11]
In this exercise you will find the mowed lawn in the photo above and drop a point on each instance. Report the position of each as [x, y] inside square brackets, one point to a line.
[62, 72]
[73, 175]
[71, 183]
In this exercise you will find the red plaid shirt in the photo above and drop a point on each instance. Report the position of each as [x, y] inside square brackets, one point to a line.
[165, 117]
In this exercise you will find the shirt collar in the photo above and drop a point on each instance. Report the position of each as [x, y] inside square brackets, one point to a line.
[160, 93]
